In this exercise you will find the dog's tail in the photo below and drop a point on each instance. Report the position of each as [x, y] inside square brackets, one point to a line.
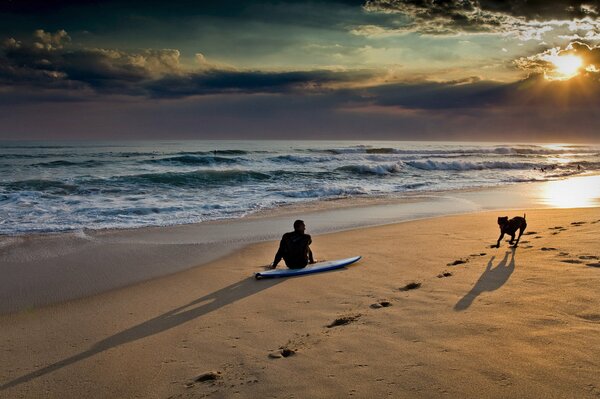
[524, 216]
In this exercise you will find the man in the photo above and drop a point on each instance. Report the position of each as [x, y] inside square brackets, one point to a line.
[294, 248]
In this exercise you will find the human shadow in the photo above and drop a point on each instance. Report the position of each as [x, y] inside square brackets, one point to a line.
[173, 318]
[490, 280]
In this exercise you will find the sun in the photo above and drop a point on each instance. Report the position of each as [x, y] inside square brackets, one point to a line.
[565, 67]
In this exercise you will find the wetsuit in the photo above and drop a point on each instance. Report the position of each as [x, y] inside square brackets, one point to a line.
[294, 249]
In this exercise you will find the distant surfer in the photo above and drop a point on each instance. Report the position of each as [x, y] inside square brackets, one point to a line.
[294, 248]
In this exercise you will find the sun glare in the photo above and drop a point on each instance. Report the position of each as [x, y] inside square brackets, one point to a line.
[565, 67]
[579, 192]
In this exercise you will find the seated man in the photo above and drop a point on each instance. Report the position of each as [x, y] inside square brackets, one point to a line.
[294, 248]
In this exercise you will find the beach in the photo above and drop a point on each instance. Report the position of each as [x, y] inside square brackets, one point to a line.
[159, 159]
[430, 311]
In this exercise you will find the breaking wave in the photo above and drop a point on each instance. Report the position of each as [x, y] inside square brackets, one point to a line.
[377, 169]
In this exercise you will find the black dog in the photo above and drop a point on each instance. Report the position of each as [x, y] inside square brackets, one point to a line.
[510, 227]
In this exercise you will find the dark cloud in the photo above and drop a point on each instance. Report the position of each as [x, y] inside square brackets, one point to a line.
[94, 14]
[543, 9]
[475, 16]
[46, 61]
[219, 81]
[223, 7]
[375, 113]
[430, 96]
[533, 92]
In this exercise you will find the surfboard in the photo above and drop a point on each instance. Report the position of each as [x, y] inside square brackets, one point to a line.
[316, 268]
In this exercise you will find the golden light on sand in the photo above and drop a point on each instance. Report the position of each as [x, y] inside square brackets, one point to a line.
[565, 67]
[572, 193]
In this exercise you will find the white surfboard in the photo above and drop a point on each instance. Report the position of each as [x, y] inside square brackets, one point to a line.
[316, 268]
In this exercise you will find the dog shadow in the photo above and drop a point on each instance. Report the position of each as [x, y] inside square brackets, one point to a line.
[491, 279]
[166, 321]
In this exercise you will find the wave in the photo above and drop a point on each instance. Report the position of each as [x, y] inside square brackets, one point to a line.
[498, 150]
[325, 192]
[377, 169]
[412, 186]
[463, 165]
[215, 152]
[380, 151]
[56, 164]
[589, 165]
[300, 159]
[50, 186]
[194, 179]
[194, 160]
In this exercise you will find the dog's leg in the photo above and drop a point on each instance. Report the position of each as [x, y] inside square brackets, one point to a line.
[521, 230]
[499, 239]
[512, 239]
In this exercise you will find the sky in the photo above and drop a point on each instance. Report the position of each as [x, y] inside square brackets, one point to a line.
[517, 70]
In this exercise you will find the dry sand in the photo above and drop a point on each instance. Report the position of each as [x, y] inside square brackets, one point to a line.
[506, 323]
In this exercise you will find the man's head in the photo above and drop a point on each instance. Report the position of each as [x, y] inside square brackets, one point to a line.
[299, 226]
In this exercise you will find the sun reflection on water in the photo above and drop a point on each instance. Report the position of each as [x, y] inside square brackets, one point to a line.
[572, 193]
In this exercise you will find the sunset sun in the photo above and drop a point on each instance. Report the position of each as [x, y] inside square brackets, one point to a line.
[565, 66]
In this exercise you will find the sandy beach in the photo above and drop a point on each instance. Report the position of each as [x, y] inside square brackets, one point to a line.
[481, 322]
[159, 158]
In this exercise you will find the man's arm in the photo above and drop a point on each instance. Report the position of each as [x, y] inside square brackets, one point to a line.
[279, 253]
[311, 260]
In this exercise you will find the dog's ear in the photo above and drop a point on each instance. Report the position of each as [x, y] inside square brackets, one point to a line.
[502, 219]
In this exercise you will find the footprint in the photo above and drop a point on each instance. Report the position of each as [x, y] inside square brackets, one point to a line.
[577, 223]
[411, 286]
[589, 257]
[563, 254]
[597, 264]
[458, 262]
[529, 233]
[548, 249]
[287, 352]
[537, 237]
[574, 261]
[556, 228]
[479, 254]
[381, 304]
[208, 376]
[527, 246]
[524, 242]
[342, 321]
[445, 274]
[594, 317]
[283, 352]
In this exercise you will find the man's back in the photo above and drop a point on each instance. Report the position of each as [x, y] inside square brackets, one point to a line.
[294, 249]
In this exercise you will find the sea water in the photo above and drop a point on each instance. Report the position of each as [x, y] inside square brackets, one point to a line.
[62, 186]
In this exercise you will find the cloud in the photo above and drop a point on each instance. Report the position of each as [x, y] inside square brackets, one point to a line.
[544, 63]
[525, 19]
[229, 81]
[411, 111]
[47, 61]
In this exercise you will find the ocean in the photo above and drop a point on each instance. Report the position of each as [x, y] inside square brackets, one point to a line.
[66, 186]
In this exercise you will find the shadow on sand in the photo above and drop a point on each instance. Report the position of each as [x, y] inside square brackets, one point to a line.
[165, 321]
[490, 280]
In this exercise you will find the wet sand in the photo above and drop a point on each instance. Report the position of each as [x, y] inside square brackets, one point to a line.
[38, 270]
[431, 311]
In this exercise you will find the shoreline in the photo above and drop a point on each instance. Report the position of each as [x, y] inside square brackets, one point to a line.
[45, 269]
[496, 313]
[312, 205]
